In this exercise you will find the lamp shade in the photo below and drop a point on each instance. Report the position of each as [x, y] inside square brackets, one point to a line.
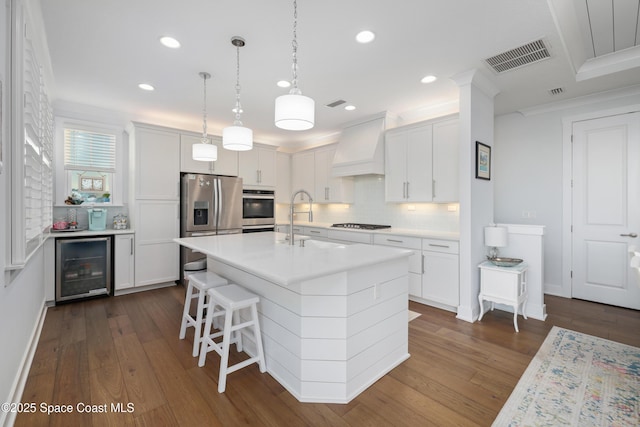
[204, 152]
[294, 112]
[237, 138]
[495, 236]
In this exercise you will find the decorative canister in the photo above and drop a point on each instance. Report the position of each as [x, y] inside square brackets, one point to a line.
[120, 222]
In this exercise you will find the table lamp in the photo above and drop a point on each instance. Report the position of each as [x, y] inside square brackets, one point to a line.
[495, 237]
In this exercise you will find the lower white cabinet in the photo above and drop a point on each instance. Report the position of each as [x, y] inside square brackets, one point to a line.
[440, 280]
[316, 233]
[123, 277]
[157, 255]
[414, 244]
[347, 236]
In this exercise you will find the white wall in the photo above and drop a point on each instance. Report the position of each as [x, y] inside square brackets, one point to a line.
[21, 292]
[528, 160]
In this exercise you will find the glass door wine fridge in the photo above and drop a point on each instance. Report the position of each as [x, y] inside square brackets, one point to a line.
[83, 268]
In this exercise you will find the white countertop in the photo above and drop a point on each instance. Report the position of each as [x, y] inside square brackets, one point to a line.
[269, 256]
[89, 233]
[409, 232]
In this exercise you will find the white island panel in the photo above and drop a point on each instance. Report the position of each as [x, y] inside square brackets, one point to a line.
[333, 317]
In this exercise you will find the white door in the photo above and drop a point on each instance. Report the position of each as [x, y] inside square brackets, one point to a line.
[606, 209]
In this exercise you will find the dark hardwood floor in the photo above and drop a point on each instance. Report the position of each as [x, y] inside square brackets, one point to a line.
[125, 350]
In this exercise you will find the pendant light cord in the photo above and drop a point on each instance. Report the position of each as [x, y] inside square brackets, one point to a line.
[238, 106]
[204, 112]
[294, 43]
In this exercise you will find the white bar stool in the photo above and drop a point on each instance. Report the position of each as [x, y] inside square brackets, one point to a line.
[197, 288]
[231, 298]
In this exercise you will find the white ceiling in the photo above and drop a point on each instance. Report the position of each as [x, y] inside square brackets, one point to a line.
[101, 50]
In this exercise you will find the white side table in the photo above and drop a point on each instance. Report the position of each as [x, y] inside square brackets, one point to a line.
[503, 285]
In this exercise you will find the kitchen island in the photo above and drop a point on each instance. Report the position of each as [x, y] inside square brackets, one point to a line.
[333, 317]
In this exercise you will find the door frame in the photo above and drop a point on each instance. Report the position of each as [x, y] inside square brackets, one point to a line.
[565, 289]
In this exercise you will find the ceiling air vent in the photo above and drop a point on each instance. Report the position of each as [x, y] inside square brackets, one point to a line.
[336, 103]
[556, 91]
[515, 58]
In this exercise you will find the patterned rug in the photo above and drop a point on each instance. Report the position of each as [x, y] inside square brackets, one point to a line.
[577, 380]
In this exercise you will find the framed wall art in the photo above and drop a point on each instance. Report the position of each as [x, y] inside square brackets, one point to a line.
[483, 161]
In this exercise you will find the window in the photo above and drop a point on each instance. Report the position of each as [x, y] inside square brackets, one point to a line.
[90, 163]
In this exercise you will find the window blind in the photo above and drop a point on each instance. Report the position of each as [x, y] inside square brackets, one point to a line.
[89, 151]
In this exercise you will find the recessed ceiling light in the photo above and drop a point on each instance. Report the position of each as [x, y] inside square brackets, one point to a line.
[429, 79]
[146, 86]
[283, 83]
[365, 36]
[170, 42]
[350, 107]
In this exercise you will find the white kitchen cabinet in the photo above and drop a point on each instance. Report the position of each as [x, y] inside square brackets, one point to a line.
[421, 162]
[283, 177]
[329, 189]
[302, 176]
[316, 233]
[123, 276]
[414, 244]
[408, 164]
[257, 167]
[445, 161]
[440, 280]
[348, 236]
[156, 163]
[156, 254]
[227, 163]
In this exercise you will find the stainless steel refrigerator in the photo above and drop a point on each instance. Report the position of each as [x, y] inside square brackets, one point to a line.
[209, 205]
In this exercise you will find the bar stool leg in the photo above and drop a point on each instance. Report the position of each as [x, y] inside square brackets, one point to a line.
[237, 334]
[185, 311]
[205, 346]
[224, 362]
[197, 335]
[258, 338]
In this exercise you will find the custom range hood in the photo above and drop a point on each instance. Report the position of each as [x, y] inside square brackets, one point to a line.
[360, 148]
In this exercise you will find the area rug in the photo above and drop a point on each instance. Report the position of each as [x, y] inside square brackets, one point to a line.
[413, 315]
[577, 380]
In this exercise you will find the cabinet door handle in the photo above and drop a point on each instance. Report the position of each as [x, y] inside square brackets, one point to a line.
[438, 246]
[314, 231]
[634, 235]
[433, 188]
[408, 190]
[422, 264]
[404, 190]
[131, 246]
[395, 241]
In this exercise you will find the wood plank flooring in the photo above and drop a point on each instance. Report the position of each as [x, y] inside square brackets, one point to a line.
[124, 353]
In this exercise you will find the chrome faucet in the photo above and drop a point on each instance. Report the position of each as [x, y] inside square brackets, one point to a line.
[292, 212]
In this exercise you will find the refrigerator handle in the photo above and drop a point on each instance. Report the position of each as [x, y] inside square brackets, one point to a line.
[220, 207]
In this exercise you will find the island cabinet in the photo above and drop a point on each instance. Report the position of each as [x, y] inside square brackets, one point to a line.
[414, 244]
[333, 317]
[227, 163]
[440, 280]
[257, 167]
[154, 201]
[421, 162]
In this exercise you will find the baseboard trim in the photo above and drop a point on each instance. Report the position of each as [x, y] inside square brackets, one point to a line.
[7, 419]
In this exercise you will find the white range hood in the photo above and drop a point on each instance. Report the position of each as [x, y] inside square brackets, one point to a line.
[360, 148]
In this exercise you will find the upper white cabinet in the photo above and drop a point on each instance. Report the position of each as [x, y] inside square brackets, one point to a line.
[156, 164]
[302, 175]
[283, 177]
[408, 167]
[257, 167]
[329, 189]
[421, 162]
[227, 163]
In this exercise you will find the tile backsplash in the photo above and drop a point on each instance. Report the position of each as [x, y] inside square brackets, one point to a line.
[83, 217]
[369, 207]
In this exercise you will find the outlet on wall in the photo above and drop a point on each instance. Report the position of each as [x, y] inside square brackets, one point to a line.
[528, 214]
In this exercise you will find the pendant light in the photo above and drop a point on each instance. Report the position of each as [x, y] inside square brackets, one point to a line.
[205, 151]
[237, 137]
[294, 111]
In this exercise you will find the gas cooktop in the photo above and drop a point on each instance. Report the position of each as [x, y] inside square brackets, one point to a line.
[361, 226]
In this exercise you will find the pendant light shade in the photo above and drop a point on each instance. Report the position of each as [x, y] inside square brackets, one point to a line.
[205, 151]
[237, 137]
[294, 111]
